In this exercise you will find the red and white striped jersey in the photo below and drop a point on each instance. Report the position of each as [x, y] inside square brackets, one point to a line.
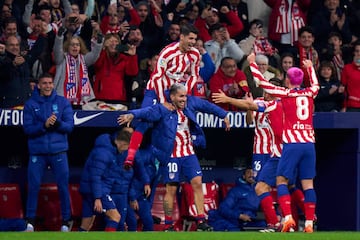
[298, 106]
[275, 117]
[171, 67]
[183, 145]
[262, 138]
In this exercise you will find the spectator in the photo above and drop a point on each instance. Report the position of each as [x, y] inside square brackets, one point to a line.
[268, 72]
[336, 52]
[15, 83]
[177, 157]
[229, 79]
[115, 62]
[331, 93]
[240, 8]
[285, 20]
[59, 9]
[349, 79]
[307, 52]
[48, 120]
[172, 34]
[209, 17]
[330, 18]
[298, 154]
[239, 208]
[11, 29]
[287, 61]
[71, 79]
[221, 45]
[97, 180]
[257, 43]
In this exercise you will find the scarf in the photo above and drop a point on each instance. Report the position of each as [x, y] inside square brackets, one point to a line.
[291, 25]
[339, 65]
[263, 46]
[76, 85]
[312, 55]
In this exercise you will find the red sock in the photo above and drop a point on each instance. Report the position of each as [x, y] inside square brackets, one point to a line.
[168, 220]
[110, 229]
[200, 218]
[297, 197]
[309, 211]
[135, 141]
[269, 211]
[285, 204]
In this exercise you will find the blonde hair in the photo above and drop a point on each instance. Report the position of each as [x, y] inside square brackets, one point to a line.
[83, 48]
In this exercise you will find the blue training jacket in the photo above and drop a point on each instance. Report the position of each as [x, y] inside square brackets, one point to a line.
[165, 128]
[98, 176]
[36, 111]
[122, 177]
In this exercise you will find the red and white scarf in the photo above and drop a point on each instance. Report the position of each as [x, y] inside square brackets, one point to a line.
[292, 25]
[310, 54]
[339, 64]
[76, 84]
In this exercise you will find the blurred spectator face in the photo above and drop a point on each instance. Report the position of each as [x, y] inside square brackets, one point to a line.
[45, 15]
[326, 72]
[306, 39]
[72, 26]
[263, 66]
[234, 3]
[357, 55]
[75, 8]
[37, 26]
[174, 31]
[74, 47]
[193, 13]
[114, 19]
[336, 42]
[10, 29]
[110, 45]
[121, 13]
[199, 44]
[287, 63]
[331, 4]
[229, 67]
[5, 12]
[143, 12]
[55, 3]
[135, 37]
[256, 30]
[13, 45]
[212, 18]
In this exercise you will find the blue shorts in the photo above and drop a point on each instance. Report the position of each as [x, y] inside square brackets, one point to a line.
[188, 166]
[268, 172]
[88, 204]
[258, 161]
[297, 159]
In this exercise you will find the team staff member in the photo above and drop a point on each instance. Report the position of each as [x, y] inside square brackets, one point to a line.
[173, 145]
[48, 119]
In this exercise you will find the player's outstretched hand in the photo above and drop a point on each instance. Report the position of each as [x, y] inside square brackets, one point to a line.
[220, 97]
[125, 119]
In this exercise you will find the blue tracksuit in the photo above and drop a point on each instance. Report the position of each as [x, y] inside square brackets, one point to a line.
[48, 147]
[241, 199]
[164, 131]
[120, 188]
[145, 172]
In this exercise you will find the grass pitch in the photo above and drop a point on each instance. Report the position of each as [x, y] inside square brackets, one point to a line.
[178, 236]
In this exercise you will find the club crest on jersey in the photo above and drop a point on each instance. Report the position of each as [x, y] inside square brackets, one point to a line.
[162, 62]
[171, 175]
[34, 159]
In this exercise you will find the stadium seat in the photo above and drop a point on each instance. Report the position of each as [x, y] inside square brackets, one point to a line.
[48, 209]
[187, 207]
[10, 201]
[76, 205]
[224, 189]
[157, 209]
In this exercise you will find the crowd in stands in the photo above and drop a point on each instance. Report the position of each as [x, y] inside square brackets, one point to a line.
[106, 51]
[38, 36]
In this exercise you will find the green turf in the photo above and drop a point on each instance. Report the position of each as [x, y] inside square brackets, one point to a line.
[179, 236]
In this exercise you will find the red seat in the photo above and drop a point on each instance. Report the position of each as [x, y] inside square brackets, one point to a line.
[158, 209]
[10, 201]
[224, 189]
[48, 209]
[76, 205]
[187, 208]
